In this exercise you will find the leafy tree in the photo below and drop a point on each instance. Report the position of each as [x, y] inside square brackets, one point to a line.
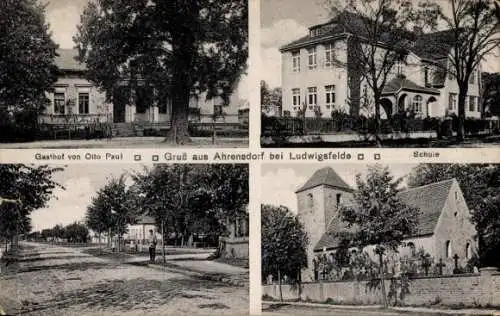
[179, 47]
[76, 233]
[480, 185]
[283, 244]
[265, 94]
[27, 68]
[474, 34]
[490, 93]
[378, 40]
[32, 187]
[377, 217]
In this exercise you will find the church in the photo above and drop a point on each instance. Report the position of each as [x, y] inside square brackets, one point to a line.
[444, 230]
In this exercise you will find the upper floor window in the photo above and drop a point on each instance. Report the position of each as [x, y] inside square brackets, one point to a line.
[417, 103]
[472, 78]
[296, 97]
[83, 103]
[296, 61]
[400, 67]
[59, 102]
[472, 103]
[330, 95]
[310, 200]
[311, 53]
[426, 76]
[338, 197]
[312, 97]
[452, 101]
[329, 55]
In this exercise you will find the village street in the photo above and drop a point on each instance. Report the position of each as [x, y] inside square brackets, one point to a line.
[54, 280]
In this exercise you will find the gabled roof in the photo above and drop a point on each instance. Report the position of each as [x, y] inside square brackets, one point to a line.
[430, 199]
[434, 45]
[145, 220]
[325, 176]
[67, 60]
[402, 83]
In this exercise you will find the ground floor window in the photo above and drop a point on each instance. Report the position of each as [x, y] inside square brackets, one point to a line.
[472, 103]
[83, 102]
[296, 97]
[59, 102]
[329, 95]
[417, 103]
[452, 102]
[312, 97]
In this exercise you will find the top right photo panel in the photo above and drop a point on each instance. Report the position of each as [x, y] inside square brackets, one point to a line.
[380, 73]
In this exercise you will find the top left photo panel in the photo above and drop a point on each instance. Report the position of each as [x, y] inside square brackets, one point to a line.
[124, 74]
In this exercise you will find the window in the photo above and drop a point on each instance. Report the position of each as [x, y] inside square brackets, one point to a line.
[447, 249]
[296, 61]
[329, 55]
[311, 52]
[330, 95]
[83, 103]
[472, 78]
[417, 103]
[452, 102]
[400, 67]
[310, 200]
[311, 96]
[413, 249]
[426, 76]
[472, 103]
[296, 97]
[59, 102]
[467, 251]
[338, 198]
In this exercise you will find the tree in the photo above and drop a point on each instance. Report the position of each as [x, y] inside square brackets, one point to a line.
[490, 94]
[32, 187]
[474, 29]
[76, 233]
[27, 68]
[177, 48]
[480, 185]
[265, 94]
[377, 217]
[98, 216]
[283, 244]
[378, 40]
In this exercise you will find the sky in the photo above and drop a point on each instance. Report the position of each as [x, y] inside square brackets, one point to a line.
[279, 182]
[283, 21]
[80, 183]
[63, 17]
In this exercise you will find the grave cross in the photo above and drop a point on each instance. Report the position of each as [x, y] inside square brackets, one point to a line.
[441, 265]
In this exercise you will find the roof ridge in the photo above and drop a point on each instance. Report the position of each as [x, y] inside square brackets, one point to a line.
[426, 185]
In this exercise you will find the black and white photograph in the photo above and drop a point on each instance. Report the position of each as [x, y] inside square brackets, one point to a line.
[388, 73]
[142, 73]
[400, 239]
[118, 239]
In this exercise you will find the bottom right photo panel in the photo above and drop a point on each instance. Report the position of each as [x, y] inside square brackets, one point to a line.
[362, 237]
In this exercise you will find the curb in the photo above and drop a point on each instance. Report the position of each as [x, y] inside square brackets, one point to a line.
[203, 276]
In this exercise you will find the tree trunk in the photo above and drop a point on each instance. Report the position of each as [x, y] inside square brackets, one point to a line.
[279, 284]
[378, 141]
[461, 114]
[163, 241]
[382, 280]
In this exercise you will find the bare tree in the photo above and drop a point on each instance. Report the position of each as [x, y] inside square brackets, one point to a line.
[378, 38]
[473, 35]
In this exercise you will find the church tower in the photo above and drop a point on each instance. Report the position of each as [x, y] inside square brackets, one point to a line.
[317, 203]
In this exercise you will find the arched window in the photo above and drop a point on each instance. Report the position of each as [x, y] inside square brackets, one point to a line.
[417, 103]
[447, 249]
[310, 200]
[467, 251]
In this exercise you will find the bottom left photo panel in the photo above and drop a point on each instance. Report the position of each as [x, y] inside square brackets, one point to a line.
[118, 239]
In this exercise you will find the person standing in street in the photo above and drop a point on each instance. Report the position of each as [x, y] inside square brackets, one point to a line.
[152, 246]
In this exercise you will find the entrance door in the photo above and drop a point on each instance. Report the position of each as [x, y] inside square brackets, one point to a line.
[120, 100]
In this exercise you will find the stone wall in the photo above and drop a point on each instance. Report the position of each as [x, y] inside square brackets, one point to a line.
[481, 289]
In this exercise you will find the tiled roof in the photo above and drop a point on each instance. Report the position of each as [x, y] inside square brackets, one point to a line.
[66, 60]
[430, 199]
[402, 83]
[325, 176]
[434, 45]
[145, 220]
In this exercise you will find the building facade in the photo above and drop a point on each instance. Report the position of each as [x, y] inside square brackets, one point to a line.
[320, 76]
[444, 229]
[76, 100]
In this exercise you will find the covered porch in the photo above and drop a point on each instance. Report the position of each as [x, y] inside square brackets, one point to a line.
[401, 95]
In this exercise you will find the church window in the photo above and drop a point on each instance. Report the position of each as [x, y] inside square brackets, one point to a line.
[310, 200]
[338, 198]
[413, 249]
[448, 249]
[467, 251]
